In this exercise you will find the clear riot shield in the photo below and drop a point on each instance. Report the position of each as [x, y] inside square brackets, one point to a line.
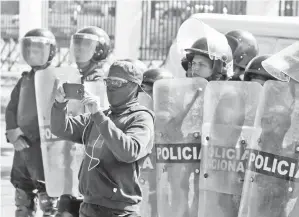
[148, 172]
[271, 187]
[284, 64]
[178, 108]
[229, 114]
[148, 184]
[173, 61]
[98, 88]
[61, 158]
[145, 100]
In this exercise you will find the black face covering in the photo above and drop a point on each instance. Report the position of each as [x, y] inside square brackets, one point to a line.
[123, 97]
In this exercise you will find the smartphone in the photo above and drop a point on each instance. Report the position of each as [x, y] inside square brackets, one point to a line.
[73, 91]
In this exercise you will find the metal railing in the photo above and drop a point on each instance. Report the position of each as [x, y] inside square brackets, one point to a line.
[289, 8]
[9, 34]
[160, 22]
[66, 17]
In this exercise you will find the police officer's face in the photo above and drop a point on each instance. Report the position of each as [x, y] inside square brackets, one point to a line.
[238, 72]
[201, 67]
[36, 55]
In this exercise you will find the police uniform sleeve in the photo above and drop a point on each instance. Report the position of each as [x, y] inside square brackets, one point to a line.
[132, 144]
[12, 108]
[67, 127]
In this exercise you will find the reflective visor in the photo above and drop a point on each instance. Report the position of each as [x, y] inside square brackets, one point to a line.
[83, 46]
[194, 29]
[36, 50]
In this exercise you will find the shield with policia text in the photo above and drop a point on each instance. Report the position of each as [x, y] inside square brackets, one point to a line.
[61, 158]
[228, 118]
[147, 177]
[178, 106]
[271, 187]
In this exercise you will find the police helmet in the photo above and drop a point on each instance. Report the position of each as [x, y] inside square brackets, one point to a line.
[90, 43]
[220, 63]
[38, 47]
[152, 75]
[244, 47]
[255, 68]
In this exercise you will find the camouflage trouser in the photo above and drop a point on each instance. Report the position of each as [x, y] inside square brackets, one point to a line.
[27, 176]
[92, 210]
[26, 203]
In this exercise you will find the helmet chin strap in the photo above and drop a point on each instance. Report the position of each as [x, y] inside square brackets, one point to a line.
[88, 70]
[36, 68]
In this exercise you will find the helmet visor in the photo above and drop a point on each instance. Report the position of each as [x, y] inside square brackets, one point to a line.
[217, 47]
[35, 50]
[284, 64]
[83, 46]
[194, 29]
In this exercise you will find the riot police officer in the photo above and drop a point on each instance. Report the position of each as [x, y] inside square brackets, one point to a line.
[256, 72]
[244, 47]
[205, 55]
[275, 193]
[38, 48]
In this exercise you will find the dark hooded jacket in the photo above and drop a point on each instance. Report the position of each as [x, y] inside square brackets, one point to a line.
[117, 142]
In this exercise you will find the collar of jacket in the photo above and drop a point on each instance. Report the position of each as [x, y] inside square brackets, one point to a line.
[122, 109]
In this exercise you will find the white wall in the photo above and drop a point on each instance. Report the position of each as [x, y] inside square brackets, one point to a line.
[128, 28]
[273, 33]
[33, 14]
[262, 7]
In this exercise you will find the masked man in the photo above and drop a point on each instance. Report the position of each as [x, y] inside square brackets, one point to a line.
[116, 142]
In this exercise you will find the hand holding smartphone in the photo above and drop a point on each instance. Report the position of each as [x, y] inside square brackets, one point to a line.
[73, 91]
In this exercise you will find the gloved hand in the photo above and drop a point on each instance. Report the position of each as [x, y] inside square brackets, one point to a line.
[13, 134]
[91, 102]
[20, 144]
[60, 94]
